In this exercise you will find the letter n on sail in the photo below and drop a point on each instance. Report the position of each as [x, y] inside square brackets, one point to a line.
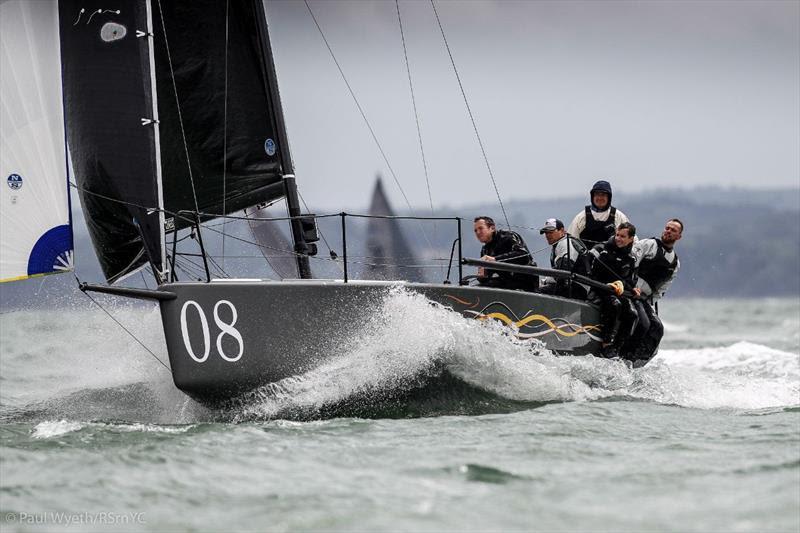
[35, 223]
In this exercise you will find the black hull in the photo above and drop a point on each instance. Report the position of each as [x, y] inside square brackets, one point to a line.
[282, 329]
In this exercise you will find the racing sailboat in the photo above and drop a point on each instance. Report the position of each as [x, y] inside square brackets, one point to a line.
[171, 117]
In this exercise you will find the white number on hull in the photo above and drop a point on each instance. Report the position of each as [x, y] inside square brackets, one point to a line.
[227, 329]
[185, 331]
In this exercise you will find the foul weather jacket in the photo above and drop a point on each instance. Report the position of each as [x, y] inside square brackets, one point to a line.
[508, 247]
[611, 263]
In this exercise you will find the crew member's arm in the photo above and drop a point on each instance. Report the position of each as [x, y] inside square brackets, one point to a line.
[644, 249]
[661, 290]
[517, 251]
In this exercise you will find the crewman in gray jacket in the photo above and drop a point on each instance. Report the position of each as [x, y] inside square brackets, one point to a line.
[565, 254]
[658, 266]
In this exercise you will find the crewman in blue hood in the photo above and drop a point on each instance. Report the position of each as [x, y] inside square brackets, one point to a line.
[598, 221]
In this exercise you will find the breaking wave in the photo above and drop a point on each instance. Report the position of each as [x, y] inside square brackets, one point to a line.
[416, 358]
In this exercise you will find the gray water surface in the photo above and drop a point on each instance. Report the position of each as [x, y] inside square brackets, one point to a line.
[435, 423]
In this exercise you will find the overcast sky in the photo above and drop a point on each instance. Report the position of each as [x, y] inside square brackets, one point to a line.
[644, 94]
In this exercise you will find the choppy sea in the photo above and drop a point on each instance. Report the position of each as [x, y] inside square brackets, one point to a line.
[431, 422]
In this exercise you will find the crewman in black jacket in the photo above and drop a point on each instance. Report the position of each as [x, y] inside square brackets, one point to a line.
[506, 246]
[614, 263]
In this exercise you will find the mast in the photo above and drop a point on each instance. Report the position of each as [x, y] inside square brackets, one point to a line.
[161, 273]
[301, 247]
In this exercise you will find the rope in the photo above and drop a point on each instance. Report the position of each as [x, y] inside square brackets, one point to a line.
[124, 328]
[471, 117]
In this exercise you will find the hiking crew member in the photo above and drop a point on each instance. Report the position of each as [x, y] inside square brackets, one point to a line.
[613, 263]
[565, 254]
[597, 222]
[658, 265]
[506, 246]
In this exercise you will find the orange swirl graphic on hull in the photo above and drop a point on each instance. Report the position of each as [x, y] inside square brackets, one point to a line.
[574, 329]
[464, 302]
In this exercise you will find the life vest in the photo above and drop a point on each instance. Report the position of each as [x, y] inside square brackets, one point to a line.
[657, 270]
[580, 250]
[597, 231]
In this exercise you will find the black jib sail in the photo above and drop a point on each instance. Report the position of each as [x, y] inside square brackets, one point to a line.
[218, 106]
[107, 106]
[170, 106]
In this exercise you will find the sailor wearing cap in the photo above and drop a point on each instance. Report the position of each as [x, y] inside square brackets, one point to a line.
[598, 221]
[565, 254]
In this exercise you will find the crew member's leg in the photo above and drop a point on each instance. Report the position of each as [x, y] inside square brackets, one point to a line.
[652, 338]
[609, 318]
[628, 320]
[632, 347]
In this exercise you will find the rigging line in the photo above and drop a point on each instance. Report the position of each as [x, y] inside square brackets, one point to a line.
[220, 270]
[189, 267]
[124, 328]
[178, 105]
[214, 265]
[358, 105]
[259, 245]
[471, 117]
[366, 121]
[416, 117]
[414, 104]
[225, 130]
[147, 208]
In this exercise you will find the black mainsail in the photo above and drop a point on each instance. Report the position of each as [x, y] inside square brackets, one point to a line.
[218, 105]
[170, 106]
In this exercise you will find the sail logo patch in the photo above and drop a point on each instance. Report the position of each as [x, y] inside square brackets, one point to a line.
[111, 31]
[269, 147]
[15, 182]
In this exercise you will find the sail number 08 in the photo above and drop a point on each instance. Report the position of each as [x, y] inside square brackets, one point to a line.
[225, 329]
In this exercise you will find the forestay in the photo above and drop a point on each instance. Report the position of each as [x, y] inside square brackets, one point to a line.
[35, 224]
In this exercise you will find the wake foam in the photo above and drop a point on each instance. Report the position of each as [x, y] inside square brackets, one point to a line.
[56, 428]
